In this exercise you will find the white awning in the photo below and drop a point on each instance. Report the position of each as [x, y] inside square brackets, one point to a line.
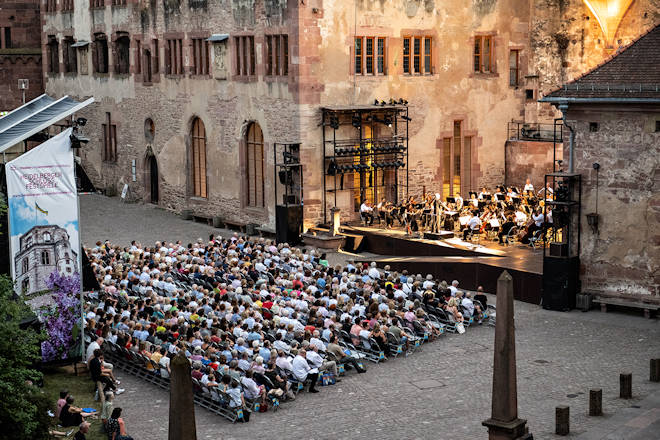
[80, 43]
[216, 38]
[34, 116]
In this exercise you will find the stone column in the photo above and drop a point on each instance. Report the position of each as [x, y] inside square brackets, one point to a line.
[504, 423]
[182, 410]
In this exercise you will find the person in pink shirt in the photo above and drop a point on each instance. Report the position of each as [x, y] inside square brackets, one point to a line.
[60, 403]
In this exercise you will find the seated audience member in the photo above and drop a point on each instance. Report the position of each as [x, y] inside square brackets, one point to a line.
[302, 370]
[61, 402]
[481, 297]
[82, 430]
[106, 410]
[116, 428]
[71, 415]
[237, 400]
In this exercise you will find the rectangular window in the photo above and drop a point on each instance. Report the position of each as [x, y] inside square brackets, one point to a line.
[427, 55]
[467, 164]
[369, 56]
[96, 3]
[278, 55]
[122, 53]
[514, 68]
[483, 54]
[200, 52]
[155, 56]
[138, 56]
[456, 181]
[69, 56]
[269, 54]
[53, 55]
[118, 2]
[109, 140]
[67, 5]
[245, 55]
[5, 38]
[100, 53]
[417, 50]
[174, 56]
[446, 167]
[406, 55]
[381, 56]
[358, 55]
[285, 55]
[51, 5]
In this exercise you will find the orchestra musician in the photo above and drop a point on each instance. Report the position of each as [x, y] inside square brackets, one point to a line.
[367, 212]
[473, 225]
[506, 228]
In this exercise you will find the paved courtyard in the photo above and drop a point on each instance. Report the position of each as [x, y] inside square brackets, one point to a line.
[440, 393]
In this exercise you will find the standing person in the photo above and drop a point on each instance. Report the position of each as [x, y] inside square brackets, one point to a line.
[107, 409]
[116, 427]
[302, 370]
[82, 430]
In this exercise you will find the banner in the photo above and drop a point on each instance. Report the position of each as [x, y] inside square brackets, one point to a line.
[43, 215]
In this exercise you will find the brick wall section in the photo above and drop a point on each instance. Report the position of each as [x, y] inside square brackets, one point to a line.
[529, 160]
[23, 58]
[623, 259]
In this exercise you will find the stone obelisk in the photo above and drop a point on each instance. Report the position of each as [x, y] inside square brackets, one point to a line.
[504, 423]
[182, 410]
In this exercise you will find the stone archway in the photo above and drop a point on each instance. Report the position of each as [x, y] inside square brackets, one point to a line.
[151, 177]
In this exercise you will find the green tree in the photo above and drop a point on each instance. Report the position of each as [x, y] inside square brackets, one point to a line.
[22, 406]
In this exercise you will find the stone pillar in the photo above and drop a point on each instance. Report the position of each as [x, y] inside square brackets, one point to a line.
[562, 420]
[504, 423]
[182, 410]
[596, 402]
[625, 385]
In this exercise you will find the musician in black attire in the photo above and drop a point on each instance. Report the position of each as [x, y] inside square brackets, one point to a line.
[506, 228]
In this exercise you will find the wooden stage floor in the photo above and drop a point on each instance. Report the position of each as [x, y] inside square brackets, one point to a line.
[473, 264]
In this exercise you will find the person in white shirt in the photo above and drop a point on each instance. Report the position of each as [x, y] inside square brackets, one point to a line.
[473, 225]
[316, 361]
[374, 274]
[454, 287]
[367, 212]
[302, 370]
[468, 305]
[528, 186]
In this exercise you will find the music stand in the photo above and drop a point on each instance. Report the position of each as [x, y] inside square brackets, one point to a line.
[499, 197]
[451, 200]
[488, 196]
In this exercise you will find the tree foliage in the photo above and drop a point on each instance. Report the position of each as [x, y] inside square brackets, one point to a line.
[23, 406]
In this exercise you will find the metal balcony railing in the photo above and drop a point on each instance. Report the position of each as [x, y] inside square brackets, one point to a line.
[525, 131]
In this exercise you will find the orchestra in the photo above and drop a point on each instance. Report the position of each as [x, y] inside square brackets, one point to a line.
[495, 214]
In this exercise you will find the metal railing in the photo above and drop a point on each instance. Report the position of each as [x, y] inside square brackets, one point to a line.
[525, 131]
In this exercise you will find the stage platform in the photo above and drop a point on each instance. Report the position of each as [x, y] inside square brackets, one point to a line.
[473, 264]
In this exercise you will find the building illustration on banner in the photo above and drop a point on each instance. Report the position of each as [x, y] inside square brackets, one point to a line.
[42, 250]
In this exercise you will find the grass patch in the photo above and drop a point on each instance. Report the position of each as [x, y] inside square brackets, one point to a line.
[82, 389]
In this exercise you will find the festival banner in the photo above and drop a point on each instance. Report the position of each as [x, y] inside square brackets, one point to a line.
[45, 241]
[43, 214]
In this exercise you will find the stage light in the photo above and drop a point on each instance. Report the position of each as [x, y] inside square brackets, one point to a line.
[382, 103]
[334, 122]
[356, 120]
[77, 140]
[406, 118]
[332, 169]
[376, 102]
[81, 122]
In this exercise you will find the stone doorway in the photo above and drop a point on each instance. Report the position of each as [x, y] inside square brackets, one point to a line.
[153, 178]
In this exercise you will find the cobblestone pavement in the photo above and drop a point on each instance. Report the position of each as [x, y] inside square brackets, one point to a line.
[440, 393]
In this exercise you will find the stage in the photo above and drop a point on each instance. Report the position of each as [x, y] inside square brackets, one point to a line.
[472, 263]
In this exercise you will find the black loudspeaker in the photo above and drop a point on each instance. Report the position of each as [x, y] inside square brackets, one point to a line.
[561, 279]
[288, 220]
[559, 249]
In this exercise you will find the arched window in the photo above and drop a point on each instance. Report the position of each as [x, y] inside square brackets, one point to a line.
[26, 264]
[46, 236]
[45, 257]
[199, 158]
[255, 165]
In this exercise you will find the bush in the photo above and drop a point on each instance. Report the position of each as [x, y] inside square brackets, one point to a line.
[23, 406]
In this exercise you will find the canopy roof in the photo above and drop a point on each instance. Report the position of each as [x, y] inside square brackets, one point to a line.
[34, 116]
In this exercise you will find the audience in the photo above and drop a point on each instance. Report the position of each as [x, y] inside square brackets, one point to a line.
[250, 313]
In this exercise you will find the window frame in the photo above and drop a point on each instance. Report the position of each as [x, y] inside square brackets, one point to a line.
[255, 144]
[69, 55]
[373, 61]
[109, 139]
[406, 55]
[198, 151]
[516, 82]
[483, 59]
[200, 56]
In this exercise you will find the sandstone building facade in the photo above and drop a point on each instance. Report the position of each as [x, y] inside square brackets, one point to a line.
[192, 95]
[20, 52]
